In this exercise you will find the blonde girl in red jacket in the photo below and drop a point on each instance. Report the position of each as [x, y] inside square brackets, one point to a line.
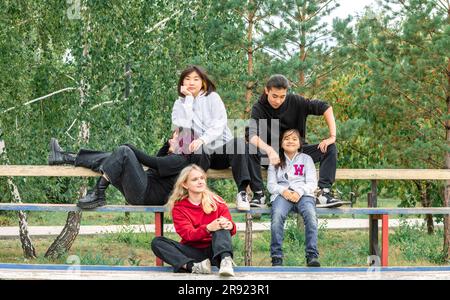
[203, 221]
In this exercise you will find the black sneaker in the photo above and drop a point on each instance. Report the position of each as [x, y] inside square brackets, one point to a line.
[277, 261]
[312, 262]
[325, 198]
[258, 200]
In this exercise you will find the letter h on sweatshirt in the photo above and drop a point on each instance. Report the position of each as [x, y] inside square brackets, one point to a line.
[299, 170]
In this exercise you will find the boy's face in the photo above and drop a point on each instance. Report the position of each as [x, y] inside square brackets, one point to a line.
[276, 96]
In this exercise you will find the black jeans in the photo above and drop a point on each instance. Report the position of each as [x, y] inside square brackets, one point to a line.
[232, 154]
[328, 164]
[122, 169]
[177, 255]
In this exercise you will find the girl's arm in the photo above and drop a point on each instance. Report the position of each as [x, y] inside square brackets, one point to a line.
[219, 120]
[185, 228]
[182, 112]
[272, 183]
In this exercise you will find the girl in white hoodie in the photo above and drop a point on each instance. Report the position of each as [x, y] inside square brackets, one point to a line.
[291, 184]
[201, 110]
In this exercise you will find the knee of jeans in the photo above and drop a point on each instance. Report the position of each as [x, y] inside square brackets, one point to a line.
[310, 217]
[157, 242]
[278, 218]
[332, 149]
[124, 148]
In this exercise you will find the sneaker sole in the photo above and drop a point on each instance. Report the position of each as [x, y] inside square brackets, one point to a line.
[314, 265]
[258, 205]
[226, 274]
[92, 205]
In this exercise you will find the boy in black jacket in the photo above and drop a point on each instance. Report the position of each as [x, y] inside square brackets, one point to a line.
[277, 111]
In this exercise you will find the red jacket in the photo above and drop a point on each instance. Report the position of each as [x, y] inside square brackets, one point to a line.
[190, 222]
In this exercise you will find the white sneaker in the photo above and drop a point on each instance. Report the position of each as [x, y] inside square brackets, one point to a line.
[203, 267]
[242, 202]
[226, 267]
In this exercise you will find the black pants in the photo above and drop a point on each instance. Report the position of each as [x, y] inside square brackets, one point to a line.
[177, 254]
[122, 169]
[327, 160]
[232, 154]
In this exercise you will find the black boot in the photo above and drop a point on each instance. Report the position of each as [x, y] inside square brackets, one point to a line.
[95, 198]
[57, 155]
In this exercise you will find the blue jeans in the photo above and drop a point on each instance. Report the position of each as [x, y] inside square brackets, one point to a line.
[280, 210]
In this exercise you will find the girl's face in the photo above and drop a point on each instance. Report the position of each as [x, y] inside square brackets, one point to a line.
[193, 82]
[196, 182]
[290, 143]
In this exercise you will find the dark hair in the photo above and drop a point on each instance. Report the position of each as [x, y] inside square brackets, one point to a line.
[286, 133]
[208, 86]
[277, 81]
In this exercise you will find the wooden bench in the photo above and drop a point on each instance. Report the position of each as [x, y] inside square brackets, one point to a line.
[372, 211]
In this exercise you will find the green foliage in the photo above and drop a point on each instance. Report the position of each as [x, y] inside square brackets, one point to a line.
[415, 244]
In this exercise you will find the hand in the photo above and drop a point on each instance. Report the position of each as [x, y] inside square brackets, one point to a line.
[295, 197]
[325, 143]
[225, 223]
[291, 196]
[274, 158]
[185, 91]
[214, 225]
[195, 145]
[287, 194]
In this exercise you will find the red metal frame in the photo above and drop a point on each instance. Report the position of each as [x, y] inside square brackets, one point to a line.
[385, 240]
[159, 223]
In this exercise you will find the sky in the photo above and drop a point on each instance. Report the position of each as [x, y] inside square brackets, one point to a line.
[351, 7]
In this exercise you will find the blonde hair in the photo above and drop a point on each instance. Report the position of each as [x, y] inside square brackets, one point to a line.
[209, 199]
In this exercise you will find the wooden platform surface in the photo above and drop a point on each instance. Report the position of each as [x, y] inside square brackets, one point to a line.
[55, 272]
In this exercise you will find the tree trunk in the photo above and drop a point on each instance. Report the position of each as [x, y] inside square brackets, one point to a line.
[424, 189]
[64, 241]
[67, 237]
[27, 245]
[447, 160]
[250, 83]
[302, 56]
[301, 74]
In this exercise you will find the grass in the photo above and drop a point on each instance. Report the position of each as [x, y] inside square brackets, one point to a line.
[409, 246]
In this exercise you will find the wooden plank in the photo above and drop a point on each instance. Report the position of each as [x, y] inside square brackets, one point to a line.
[343, 174]
[73, 207]
[139, 208]
[46, 171]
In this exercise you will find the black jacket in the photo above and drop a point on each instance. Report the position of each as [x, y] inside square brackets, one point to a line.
[291, 114]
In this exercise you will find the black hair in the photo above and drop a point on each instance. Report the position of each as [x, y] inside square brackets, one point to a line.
[208, 86]
[277, 81]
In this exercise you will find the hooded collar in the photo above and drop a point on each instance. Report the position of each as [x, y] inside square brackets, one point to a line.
[293, 159]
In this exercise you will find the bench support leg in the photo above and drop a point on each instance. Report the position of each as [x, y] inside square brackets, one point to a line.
[159, 231]
[248, 240]
[385, 240]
